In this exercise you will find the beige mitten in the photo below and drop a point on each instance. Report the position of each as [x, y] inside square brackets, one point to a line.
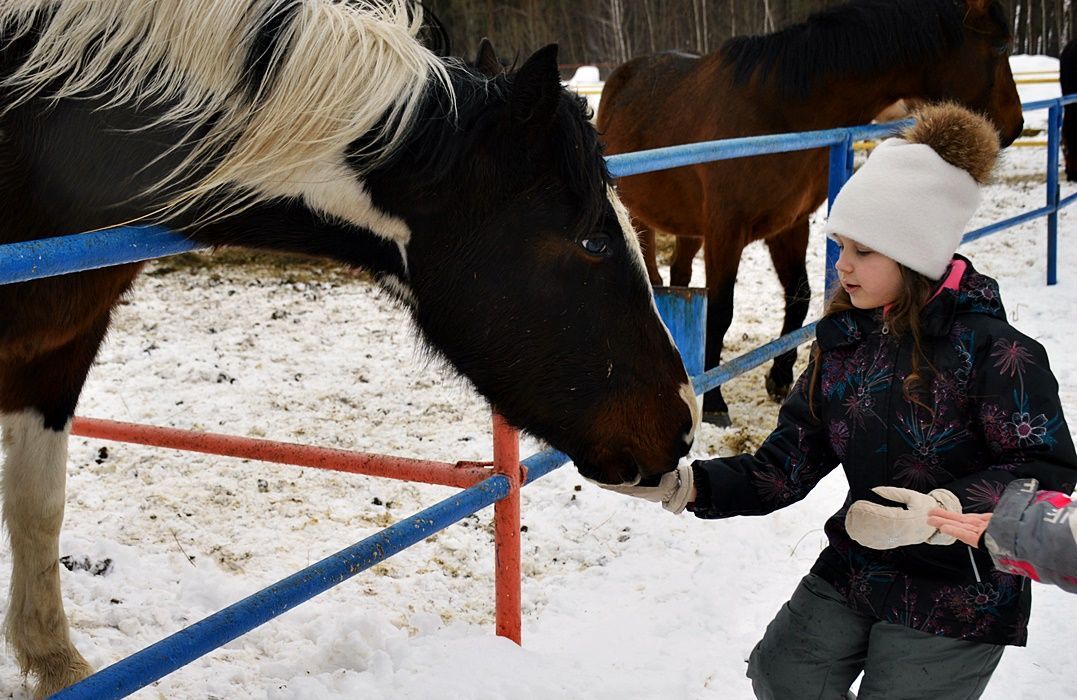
[884, 527]
[673, 490]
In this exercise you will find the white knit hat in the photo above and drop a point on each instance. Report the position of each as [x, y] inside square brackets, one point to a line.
[911, 201]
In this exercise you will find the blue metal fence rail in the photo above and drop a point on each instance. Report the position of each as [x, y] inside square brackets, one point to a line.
[47, 257]
[24, 261]
[158, 660]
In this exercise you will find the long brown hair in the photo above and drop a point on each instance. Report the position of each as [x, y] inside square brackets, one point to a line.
[902, 317]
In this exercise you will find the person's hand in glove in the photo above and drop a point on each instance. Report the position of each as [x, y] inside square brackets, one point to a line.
[674, 490]
[886, 527]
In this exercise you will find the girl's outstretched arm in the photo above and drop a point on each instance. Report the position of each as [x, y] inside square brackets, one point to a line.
[792, 460]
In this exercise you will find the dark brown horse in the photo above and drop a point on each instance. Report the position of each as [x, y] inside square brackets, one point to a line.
[480, 201]
[1067, 78]
[840, 68]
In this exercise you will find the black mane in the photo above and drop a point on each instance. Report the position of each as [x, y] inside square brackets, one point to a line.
[1067, 68]
[1067, 78]
[435, 139]
[863, 37]
[583, 167]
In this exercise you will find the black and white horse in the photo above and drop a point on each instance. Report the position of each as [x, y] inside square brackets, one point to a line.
[480, 201]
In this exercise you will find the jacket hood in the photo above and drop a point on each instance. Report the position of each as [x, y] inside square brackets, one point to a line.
[975, 294]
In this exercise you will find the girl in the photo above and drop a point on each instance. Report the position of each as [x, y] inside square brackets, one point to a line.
[916, 381]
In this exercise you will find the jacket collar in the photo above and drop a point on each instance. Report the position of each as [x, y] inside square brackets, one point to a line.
[975, 293]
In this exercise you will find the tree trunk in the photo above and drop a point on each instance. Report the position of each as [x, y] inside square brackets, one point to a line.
[1022, 27]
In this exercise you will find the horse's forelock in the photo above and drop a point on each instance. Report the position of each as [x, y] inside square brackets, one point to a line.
[584, 170]
[582, 165]
[578, 163]
[861, 37]
[997, 13]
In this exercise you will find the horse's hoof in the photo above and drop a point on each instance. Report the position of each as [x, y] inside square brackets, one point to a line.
[778, 391]
[718, 418]
[58, 671]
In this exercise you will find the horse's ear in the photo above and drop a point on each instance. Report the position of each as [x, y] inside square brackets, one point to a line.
[486, 60]
[537, 87]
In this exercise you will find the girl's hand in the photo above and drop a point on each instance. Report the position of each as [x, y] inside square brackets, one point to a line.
[967, 527]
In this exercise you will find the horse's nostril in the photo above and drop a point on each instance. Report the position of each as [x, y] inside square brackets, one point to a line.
[588, 471]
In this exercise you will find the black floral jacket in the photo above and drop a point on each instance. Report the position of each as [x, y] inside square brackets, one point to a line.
[995, 417]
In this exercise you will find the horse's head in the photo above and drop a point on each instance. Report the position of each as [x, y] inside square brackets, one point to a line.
[524, 272]
[977, 73]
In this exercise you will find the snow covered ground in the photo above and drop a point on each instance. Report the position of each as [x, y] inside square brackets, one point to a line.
[621, 599]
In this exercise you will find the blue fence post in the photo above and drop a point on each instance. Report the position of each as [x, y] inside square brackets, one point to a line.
[1054, 127]
[684, 311]
[841, 169]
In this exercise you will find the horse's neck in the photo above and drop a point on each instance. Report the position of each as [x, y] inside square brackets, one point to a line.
[74, 168]
[850, 101]
[89, 166]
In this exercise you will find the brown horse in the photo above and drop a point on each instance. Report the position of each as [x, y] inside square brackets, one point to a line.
[1067, 78]
[898, 110]
[840, 68]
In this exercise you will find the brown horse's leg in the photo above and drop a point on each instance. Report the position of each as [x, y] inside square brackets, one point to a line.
[722, 268]
[37, 401]
[649, 246]
[787, 251]
[684, 253]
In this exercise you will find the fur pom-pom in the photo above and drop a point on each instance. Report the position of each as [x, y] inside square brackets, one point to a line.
[960, 137]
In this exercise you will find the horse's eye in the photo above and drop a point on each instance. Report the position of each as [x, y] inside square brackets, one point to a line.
[598, 245]
[1002, 49]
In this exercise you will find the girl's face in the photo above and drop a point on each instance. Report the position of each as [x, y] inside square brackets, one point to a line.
[871, 279]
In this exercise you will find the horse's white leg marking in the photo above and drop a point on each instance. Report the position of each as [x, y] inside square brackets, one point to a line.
[35, 472]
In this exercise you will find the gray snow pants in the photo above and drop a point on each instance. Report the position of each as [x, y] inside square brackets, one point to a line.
[816, 647]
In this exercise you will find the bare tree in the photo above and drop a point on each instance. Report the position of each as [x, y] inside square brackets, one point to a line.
[768, 25]
[608, 32]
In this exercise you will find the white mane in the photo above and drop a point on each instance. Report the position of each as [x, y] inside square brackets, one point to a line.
[338, 67]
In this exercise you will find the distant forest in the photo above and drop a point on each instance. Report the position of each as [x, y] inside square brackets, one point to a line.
[609, 32]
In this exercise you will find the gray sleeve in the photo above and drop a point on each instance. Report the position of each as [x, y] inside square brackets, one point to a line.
[1034, 533]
